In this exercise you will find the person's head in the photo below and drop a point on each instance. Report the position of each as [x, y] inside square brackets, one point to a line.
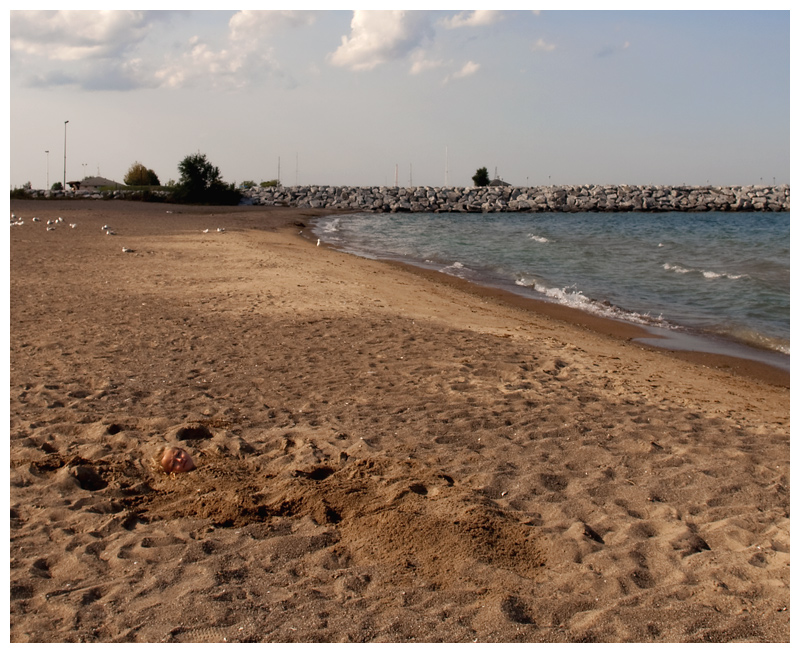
[176, 460]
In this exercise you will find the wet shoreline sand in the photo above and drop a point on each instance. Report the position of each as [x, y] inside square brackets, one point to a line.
[381, 455]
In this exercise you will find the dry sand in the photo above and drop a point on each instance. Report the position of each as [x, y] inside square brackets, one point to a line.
[381, 456]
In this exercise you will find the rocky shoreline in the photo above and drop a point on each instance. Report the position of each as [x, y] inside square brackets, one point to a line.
[489, 199]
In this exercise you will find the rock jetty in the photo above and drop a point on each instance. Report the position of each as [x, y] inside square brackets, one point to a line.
[489, 199]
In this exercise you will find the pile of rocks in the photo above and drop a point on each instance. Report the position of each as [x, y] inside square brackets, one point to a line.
[489, 199]
[543, 198]
[118, 194]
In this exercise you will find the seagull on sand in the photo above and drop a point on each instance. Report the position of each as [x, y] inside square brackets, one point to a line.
[73, 225]
[126, 250]
[221, 229]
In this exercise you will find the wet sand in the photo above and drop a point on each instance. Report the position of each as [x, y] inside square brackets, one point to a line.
[381, 454]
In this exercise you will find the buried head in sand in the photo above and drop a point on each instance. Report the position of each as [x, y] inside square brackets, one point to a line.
[175, 460]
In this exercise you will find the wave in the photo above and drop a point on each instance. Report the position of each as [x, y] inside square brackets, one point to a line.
[538, 239]
[571, 296]
[456, 269]
[708, 274]
[330, 226]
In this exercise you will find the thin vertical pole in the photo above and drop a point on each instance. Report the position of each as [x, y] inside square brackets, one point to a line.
[65, 155]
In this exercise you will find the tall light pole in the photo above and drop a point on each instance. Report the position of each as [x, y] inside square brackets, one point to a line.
[47, 152]
[65, 156]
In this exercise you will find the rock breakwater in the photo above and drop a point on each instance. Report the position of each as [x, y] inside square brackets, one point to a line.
[534, 199]
[489, 199]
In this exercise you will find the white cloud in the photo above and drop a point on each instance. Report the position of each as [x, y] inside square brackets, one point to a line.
[380, 36]
[475, 18]
[542, 46]
[246, 59]
[233, 67]
[78, 35]
[250, 26]
[468, 69]
[421, 64]
[108, 50]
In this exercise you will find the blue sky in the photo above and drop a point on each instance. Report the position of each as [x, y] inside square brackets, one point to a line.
[360, 98]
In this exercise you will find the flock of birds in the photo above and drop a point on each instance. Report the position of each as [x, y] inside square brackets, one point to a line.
[51, 226]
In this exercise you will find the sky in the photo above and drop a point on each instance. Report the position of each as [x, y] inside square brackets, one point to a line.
[414, 97]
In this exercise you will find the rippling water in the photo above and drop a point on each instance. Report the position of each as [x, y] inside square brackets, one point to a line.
[719, 274]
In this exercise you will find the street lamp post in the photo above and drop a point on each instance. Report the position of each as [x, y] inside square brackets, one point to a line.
[47, 152]
[65, 156]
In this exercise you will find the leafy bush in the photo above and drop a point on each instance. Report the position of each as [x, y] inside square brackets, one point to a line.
[201, 183]
[481, 177]
[138, 175]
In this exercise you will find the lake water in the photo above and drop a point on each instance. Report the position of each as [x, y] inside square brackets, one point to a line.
[711, 281]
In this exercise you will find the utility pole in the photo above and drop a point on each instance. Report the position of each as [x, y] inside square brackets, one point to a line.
[47, 152]
[65, 155]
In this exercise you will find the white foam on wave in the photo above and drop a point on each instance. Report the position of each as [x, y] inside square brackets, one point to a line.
[456, 269]
[571, 296]
[676, 268]
[331, 226]
[708, 274]
[538, 239]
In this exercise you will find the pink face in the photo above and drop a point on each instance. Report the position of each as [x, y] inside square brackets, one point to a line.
[176, 460]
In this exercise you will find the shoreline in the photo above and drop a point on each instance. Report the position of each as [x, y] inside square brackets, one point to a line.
[616, 329]
[349, 421]
[657, 339]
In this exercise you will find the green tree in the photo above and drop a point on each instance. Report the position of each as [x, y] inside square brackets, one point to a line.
[201, 183]
[481, 177]
[138, 175]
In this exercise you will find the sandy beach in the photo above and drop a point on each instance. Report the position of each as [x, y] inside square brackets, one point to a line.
[382, 454]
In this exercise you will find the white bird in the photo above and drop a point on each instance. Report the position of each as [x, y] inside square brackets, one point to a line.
[36, 219]
[110, 233]
[50, 222]
[125, 249]
[105, 227]
[13, 216]
[220, 229]
[60, 219]
[317, 242]
[72, 224]
[205, 231]
[51, 228]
